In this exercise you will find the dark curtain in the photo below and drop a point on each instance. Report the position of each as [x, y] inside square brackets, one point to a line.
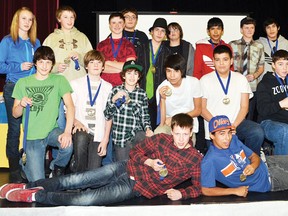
[44, 11]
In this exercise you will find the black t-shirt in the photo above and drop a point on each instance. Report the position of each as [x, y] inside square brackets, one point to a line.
[139, 38]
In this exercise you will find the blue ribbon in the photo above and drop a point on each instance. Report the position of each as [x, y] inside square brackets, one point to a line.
[133, 39]
[282, 83]
[26, 127]
[225, 89]
[115, 52]
[92, 101]
[272, 49]
[154, 58]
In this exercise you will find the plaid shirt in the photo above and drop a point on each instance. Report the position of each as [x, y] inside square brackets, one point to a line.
[128, 118]
[256, 57]
[182, 164]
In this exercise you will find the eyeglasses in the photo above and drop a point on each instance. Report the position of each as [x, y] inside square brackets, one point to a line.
[130, 17]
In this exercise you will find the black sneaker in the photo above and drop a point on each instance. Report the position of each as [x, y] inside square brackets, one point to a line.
[58, 171]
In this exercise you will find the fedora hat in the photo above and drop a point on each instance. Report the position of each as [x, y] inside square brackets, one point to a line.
[160, 22]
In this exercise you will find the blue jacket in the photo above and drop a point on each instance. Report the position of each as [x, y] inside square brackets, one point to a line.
[12, 55]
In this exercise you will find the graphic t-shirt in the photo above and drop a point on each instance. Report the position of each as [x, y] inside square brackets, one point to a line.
[46, 95]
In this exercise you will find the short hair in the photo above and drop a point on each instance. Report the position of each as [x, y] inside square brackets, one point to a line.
[177, 62]
[45, 53]
[222, 49]
[14, 28]
[117, 14]
[61, 9]
[270, 21]
[123, 72]
[132, 10]
[215, 21]
[93, 55]
[247, 21]
[182, 120]
[175, 25]
[280, 55]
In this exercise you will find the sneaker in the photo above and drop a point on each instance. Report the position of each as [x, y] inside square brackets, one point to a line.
[22, 195]
[7, 187]
[58, 171]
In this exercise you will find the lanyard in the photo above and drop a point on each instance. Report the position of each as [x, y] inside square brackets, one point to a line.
[28, 56]
[154, 58]
[92, 101]
[272, 49]
[282, 83]
[213, 45]
[115, 52]
[225, 89]
[26, 127]
[133, 39]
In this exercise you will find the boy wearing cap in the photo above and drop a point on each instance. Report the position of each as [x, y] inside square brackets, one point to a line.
[227, 92]
[233, 164]
[127, 106]
[151, 56]
[91, 131]
[135, 36]
[116, 182]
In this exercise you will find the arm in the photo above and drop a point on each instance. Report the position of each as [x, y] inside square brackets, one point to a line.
[197, 63]
[102, 148]
[66, 138]
[244, 105]
[252, 77]
[197, 108]
[254, 164]
[205, 112]
[217, 191]
[19, 105]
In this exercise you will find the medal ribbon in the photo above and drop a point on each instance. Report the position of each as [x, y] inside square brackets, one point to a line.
[115, 52]
[26, 127]
[92, 101]
[225, 89]
[134, 35]
[154, 58]
[282, 83]
[273, 50]
[213, 45]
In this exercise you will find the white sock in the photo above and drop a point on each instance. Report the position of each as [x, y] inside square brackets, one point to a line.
[33, 197]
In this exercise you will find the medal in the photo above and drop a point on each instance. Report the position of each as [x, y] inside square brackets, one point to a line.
[168, 92]
[226, 101]
[242, 177]
[127, 99]
[153, 57]
[153, 69]
[24, 158]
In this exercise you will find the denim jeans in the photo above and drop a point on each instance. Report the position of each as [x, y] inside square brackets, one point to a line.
[35, 151]
[105, 185]
[277, 132]
[251, 134]
[109, 158]
[85, 152]
[13, 135]
[278, 171]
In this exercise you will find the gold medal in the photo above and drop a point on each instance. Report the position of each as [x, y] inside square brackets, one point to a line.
[168, 92]
[242, 177]
[226, 101]
[127, 99]
[153, 69]
[163, 172]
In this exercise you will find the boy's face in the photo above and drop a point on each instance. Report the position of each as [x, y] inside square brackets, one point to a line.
[222, 63]
[174, 33]
[95, 67]
[272, 31]
[215, 33]
[248, 30]
[174, 76]
[158, 34]
[130, 20]
[116, 25]
[131, 77]
[43, 67]
[222, 139]
[281, 68]
[25, 20]
[181, 136]
[67, 20]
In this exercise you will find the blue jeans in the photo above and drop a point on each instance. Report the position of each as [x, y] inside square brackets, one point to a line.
[13, 135]
[278, 171]
[251, 134]
[109, 153]
[105, 185]
[277, 132]
[35, 151]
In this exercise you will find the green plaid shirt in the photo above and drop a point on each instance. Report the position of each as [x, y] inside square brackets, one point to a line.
[128, 118]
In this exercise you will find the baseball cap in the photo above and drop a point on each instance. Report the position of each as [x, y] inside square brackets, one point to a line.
[220, 122]
[132, 64]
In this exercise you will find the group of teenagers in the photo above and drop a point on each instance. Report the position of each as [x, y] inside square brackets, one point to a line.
[148, 99]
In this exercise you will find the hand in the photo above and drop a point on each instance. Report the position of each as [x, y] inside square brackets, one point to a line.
[168, 121]
[80, 127]
[65, 139]
[242, 191]
[233, 129]
[250, 77]
[118, 95]
[26, 66]
[249, 170]
[74, 55]
[25, 101]
[149, 133]
[155, 164]
[173, 194]
[284, 103]
[62, 67]
[162, 91]
[102, 148]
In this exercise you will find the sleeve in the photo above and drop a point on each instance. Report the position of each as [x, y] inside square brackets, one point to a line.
[208, 173]
[265, 104]
[145, 113]
[203, 86]
[197, 63]
[4, 66]
[110, 106]
[196, 88]
[190, 61]
[65, 86]
[17, 91]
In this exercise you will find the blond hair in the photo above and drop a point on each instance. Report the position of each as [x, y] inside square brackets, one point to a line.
[14, 28]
